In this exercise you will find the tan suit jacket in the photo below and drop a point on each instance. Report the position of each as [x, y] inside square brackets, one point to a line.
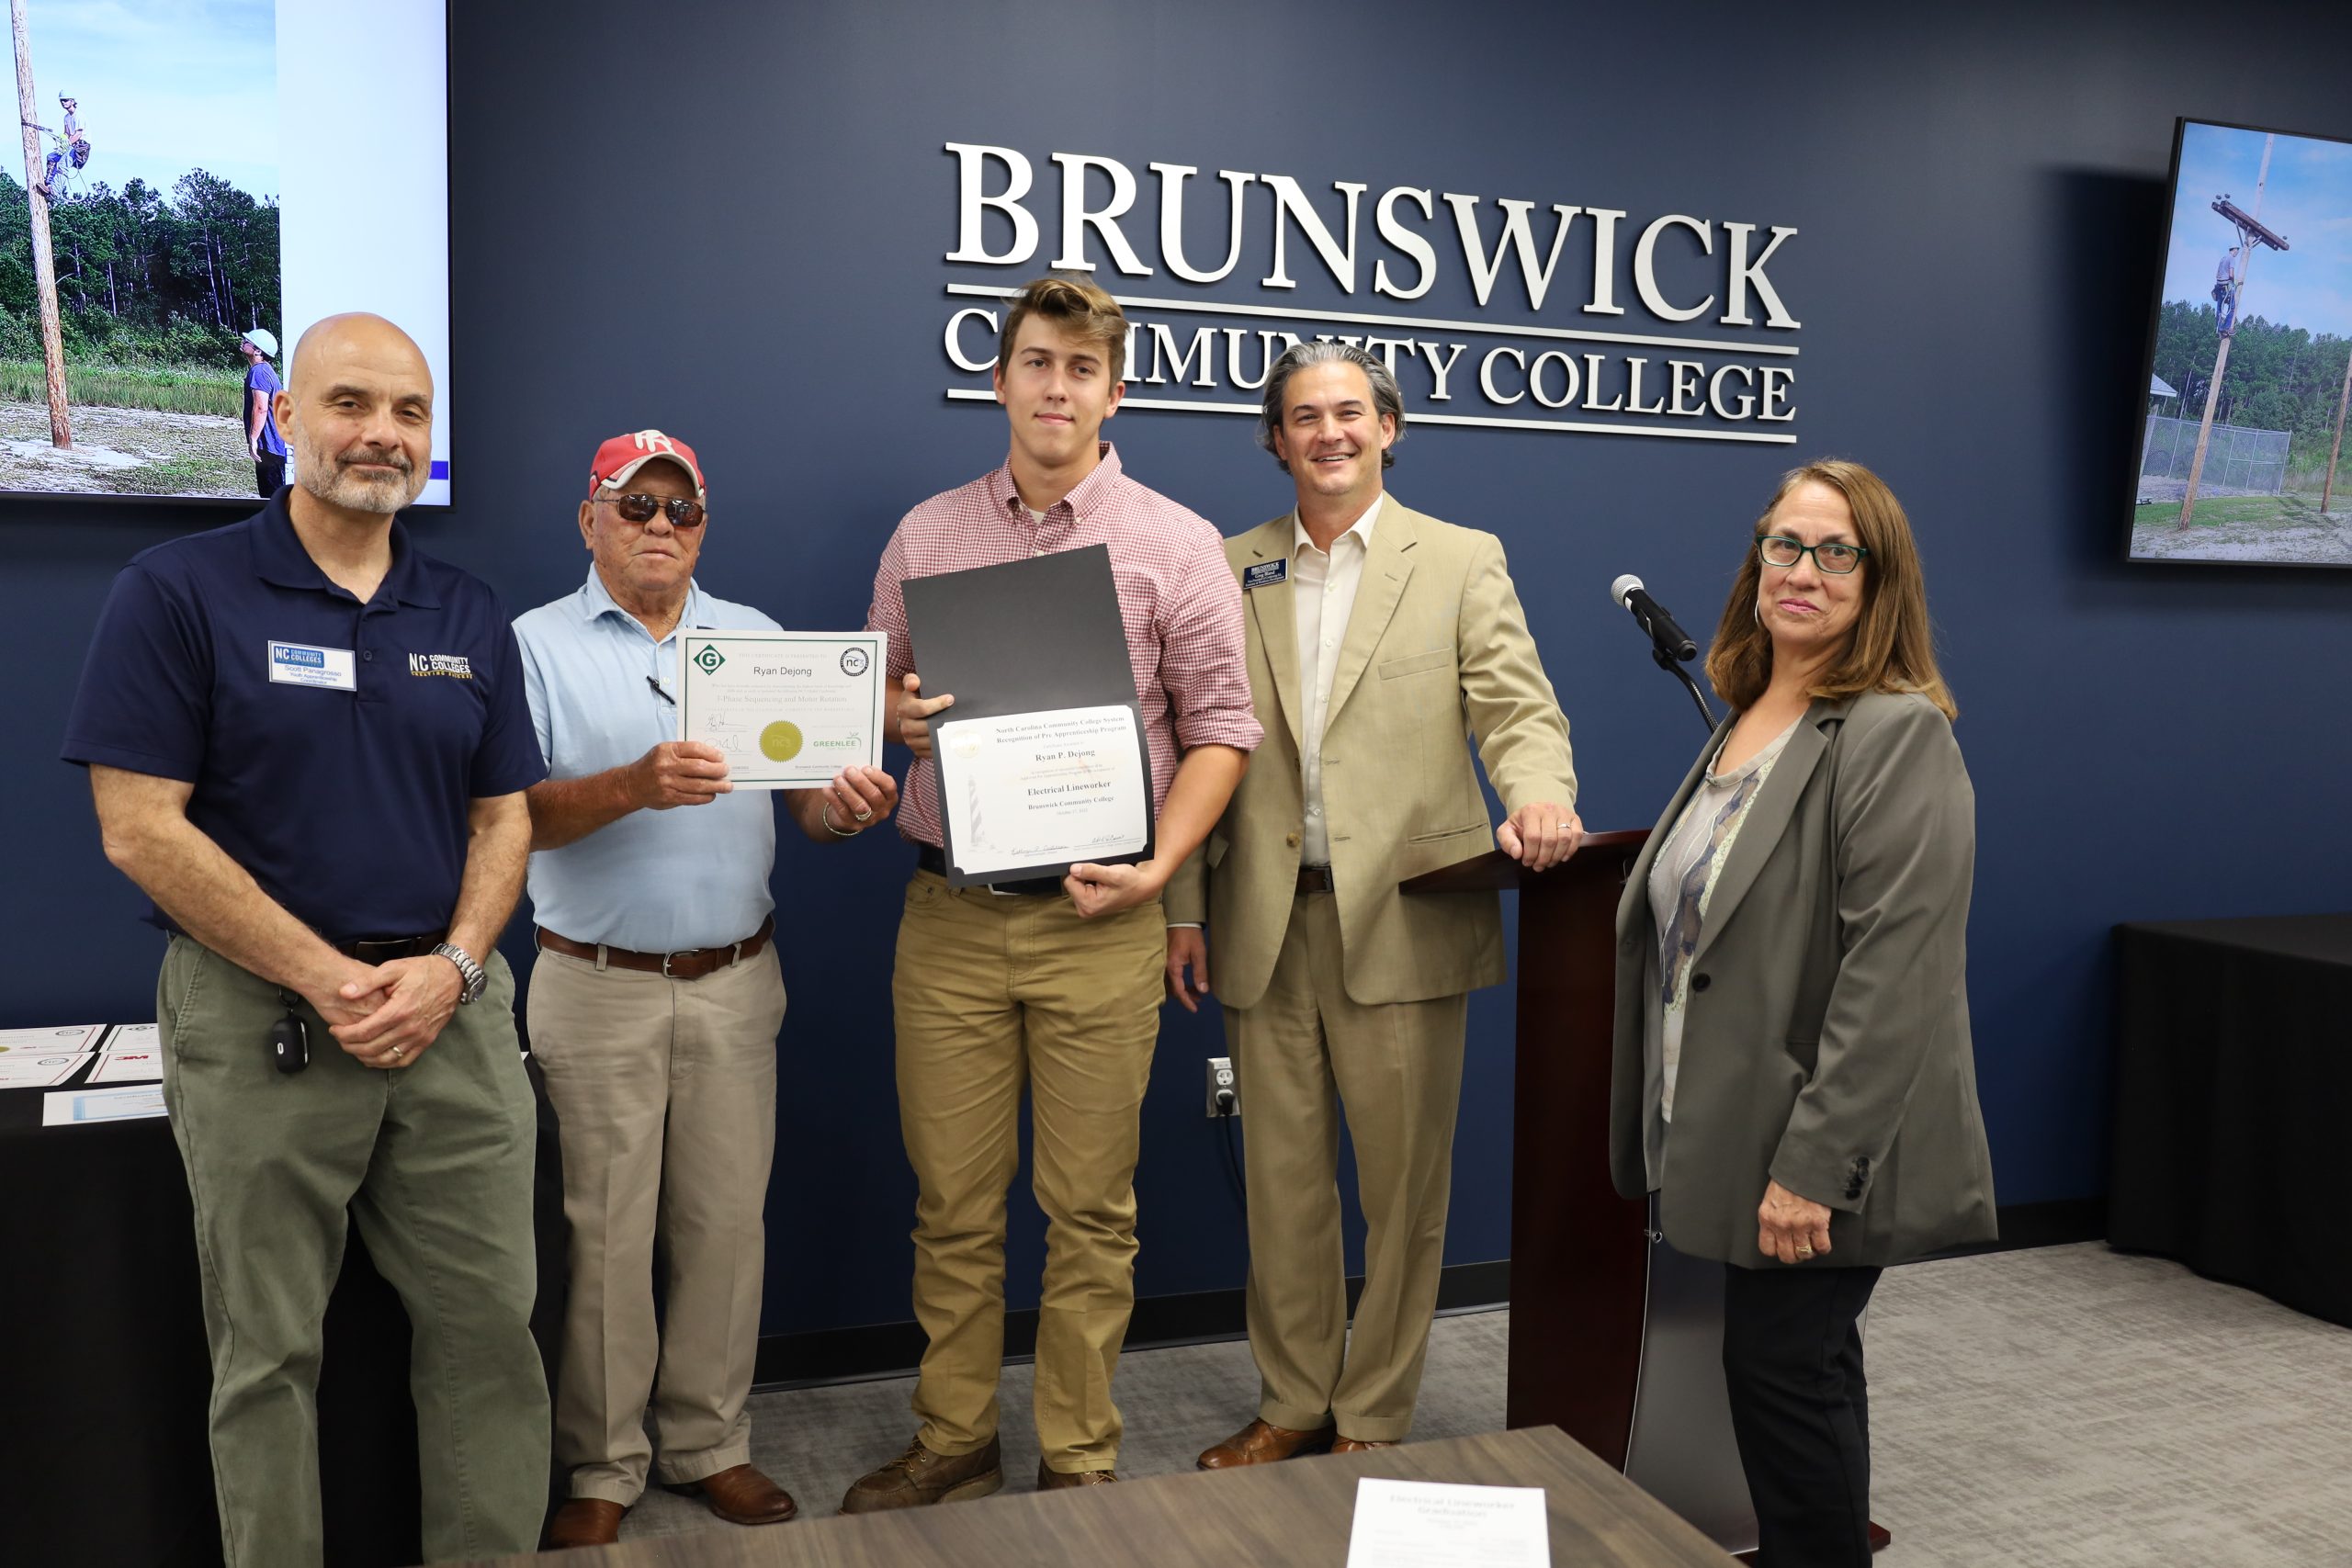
[1825, 1041]
[1436, 651]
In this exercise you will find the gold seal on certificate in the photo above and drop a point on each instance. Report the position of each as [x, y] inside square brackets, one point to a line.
[786, 709]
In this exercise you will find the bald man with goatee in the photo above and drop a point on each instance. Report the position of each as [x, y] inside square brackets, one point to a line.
[308, 744]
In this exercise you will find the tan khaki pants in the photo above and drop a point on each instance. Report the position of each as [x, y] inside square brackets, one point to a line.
[1302, 1052]
[666, 1091]
[989, 993]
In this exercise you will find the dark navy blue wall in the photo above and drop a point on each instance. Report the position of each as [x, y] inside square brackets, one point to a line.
[729, 221]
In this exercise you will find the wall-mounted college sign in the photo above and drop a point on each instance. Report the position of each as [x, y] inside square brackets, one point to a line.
[1615, 339]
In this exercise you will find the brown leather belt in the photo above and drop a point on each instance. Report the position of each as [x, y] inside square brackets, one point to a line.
[1315, 879]
[384, 949]
[691, 964]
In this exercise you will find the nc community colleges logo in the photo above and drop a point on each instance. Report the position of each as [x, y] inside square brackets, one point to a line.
[709, 660]
[456, 666]
[1582, 315]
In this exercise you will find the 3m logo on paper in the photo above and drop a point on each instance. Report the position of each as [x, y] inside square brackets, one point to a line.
[456, 666]
[709, 660]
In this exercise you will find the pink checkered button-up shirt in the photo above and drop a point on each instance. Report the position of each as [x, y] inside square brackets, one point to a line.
[1178, 598]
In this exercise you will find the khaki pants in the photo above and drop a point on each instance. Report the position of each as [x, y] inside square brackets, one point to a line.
[989, 993]
[433, 1161]
[666, 1092]
[1302, 1052]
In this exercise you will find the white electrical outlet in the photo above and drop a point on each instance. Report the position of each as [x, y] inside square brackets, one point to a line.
[1225, 1090]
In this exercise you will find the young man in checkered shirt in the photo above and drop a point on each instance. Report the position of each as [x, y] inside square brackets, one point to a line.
[1056, 983]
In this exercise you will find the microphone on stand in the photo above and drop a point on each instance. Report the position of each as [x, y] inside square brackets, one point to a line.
[1671, 639]
[1670, 645]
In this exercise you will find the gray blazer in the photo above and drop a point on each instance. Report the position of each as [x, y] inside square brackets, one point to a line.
[1824, 1041]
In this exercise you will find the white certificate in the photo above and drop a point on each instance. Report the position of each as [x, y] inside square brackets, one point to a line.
[50, 1041]
[27, 1070]
[1432, 1524]
[133, 1053]
[787, 709]
[1030, 790]
[132, 1065]
[74, 1107]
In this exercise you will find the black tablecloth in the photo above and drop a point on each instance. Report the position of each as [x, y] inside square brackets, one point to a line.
[2234, 1102]
[102, 1361]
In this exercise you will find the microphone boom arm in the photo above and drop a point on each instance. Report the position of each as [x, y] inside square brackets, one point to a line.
[1666, 663]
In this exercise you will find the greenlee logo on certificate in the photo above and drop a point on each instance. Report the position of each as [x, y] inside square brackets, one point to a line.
[787, 710]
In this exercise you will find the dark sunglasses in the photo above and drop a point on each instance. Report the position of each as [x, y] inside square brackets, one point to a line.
[684, 514]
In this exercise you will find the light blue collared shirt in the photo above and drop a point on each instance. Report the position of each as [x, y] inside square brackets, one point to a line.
[653, 881]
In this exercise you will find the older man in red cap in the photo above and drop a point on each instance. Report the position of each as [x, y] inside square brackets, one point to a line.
[655, 1005]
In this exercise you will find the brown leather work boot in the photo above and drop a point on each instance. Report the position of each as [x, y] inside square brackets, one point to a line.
[1262, 1443]
[918, 1478]
[1055, 1480]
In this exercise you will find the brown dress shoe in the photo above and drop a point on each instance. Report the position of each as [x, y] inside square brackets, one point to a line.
[919, 1477]
[1055, 1480]
[1262, 1443]
[585, 1521]
[741, 1495]
[1360, 1445]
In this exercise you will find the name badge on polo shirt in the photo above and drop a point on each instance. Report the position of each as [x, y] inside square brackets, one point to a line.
[300, 664]
[1265, 574]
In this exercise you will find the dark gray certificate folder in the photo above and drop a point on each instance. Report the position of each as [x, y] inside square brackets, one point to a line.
[1022, 637]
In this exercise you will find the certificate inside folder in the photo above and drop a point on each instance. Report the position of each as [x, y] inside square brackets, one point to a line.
[1042, 761]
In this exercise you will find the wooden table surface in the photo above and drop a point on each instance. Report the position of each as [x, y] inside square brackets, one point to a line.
[1296, 1513]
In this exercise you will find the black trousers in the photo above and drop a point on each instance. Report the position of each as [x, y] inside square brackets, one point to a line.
[269, 473]
[1799, 1411]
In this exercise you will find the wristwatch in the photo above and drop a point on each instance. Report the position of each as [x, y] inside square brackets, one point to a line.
[473, 979]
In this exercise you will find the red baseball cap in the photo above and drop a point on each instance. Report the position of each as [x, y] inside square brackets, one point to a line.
[618, 460]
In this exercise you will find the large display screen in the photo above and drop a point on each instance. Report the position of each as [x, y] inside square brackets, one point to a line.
[210, 179]
[2241, 456]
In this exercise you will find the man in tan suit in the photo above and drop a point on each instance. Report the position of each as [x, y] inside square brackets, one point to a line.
[1375, 636]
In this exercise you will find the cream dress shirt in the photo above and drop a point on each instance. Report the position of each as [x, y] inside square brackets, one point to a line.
[1323, 594]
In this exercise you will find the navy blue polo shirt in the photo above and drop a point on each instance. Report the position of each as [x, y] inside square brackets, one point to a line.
[334, 747]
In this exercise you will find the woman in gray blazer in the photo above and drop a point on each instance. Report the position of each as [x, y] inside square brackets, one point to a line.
[1793, 1070]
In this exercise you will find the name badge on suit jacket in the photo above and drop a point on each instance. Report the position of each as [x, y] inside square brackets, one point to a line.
[1265, 574]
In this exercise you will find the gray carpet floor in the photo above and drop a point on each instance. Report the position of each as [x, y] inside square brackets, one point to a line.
[2068, 1407]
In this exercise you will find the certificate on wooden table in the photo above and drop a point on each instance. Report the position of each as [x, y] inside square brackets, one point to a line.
[787, 710]
[1436, 1524]
[1042, 762]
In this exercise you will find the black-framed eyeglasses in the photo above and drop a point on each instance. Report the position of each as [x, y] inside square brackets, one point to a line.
[1833, 555]
[684, 514]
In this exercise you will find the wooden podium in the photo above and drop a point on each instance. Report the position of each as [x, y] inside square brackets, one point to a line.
[1616, 1338]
